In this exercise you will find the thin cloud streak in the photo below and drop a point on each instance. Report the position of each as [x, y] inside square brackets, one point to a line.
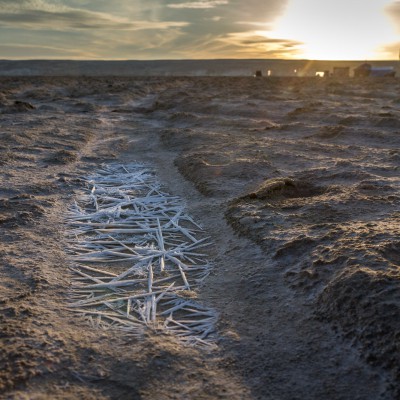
[79, 20]
[53, 17]
[41, 51]
[259, 42]
[199, 4]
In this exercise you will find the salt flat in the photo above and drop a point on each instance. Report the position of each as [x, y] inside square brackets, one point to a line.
[296, 180]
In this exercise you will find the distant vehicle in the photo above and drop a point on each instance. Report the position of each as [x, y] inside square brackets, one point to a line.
[383, 71]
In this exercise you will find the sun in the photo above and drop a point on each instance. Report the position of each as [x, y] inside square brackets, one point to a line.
[337, 30]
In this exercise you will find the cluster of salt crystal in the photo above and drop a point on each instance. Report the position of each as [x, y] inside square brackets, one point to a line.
[136, 257]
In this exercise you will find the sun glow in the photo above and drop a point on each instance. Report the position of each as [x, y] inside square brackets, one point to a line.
[337, 30]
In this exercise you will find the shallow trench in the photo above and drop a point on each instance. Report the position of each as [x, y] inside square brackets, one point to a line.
[270, 339]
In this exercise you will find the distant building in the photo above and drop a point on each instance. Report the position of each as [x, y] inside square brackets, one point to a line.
[368, 70]
[341, 72]
[362, 70]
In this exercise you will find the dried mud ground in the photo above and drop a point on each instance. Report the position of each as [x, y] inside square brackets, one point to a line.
[297, 182]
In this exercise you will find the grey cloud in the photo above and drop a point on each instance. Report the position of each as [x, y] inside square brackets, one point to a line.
[78, 19]
[232, 10]
[57, 15]
[230, 17]
[41, 51]
[256, 11]
[265, 40]
[20, 5]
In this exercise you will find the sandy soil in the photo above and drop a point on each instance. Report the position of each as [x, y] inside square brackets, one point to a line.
[295, 179]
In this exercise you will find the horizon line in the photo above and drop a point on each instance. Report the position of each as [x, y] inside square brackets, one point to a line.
[196, 59]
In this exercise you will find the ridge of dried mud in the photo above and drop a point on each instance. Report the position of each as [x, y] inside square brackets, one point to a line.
[295, 179]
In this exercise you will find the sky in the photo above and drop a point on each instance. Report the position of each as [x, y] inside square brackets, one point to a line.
[199, 29]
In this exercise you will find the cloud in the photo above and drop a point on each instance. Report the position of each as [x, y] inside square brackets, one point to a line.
[42, 51]
[20, 5]
[140, 29]
[199, 4]
[267, 41]
[393, 11]
[259, 42]
[390, 51]
[79, 19]
[42, 15]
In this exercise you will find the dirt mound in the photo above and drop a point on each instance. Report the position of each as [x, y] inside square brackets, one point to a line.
[209, 170]
[7, 155]
[63, 157]
[299, 111]
[273, 189]
[335, 243]
[328, 132]
[365, 304]
[195, 169]
[16, 107]
[3, 100]
[352, 120]
[391, 252]
[280, 207]
[85, 107]
[388, 121]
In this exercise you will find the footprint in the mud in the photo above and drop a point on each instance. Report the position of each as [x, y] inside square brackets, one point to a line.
[23, 209]
[14, 284]
[391, 252]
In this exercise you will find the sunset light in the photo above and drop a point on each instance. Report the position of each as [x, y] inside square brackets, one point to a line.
[337, 30]
[200, 199]
[201, 29]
